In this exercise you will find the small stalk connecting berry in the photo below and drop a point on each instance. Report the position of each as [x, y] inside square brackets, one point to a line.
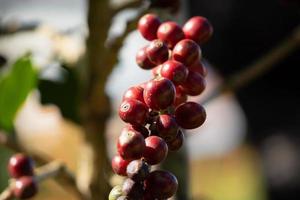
[158, 111]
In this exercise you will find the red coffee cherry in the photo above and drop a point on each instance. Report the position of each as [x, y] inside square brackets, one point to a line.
[194, 85]
[170, 33]
[177, 142]
[25, 187]
[198, 29]
[166, 126]
[142, 59]
[174, 71]
[132, 190]
[135, 92]
[133, 111]
[20, 165]
[119, 165]
[190, 115]
[139, 128]
[161, 184]
[156, 150]
[157, 52]
[138, 170]
[187, 52]
[180, 97]
[148, 25]
[131, 144]
[199, 68]
[159, 93]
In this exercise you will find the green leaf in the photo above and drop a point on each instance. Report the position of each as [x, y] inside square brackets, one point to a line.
[14, 88]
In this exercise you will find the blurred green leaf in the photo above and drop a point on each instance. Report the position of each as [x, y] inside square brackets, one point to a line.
[4, 177]
[14, 88]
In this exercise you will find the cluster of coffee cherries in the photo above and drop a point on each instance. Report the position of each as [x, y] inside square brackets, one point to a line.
[156, 111]
[21, 170]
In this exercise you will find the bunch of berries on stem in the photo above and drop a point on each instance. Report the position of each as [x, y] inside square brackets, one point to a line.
[157, 111]
[21, 170]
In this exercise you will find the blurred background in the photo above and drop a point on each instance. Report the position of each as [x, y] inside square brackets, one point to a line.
[249, 147]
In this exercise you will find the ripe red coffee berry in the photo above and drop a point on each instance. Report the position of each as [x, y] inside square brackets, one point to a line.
[187, 52]
[142, 59]
[139, 128]
[194, 85]
[25, 187]
[166, 127]
[159, 93]
[157, 52]
[190, 115]
[135, 92]
[180, 97]
[161, 184]
[131, 144]
[170, 33]
[174, 71]
[177, 142]
[20, 165]
[156, 150]
[138, 170]
[198, 29]
[119, 165]
[199, 68]
[133, 111]
[133, 190]
[148, 25]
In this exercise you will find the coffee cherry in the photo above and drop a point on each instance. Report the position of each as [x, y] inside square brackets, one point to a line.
[148, 25]
[156, 150]
[166, 126]
[25, 187]
[177, 142]
[138, 170]
[135, 92]
[198, 29]
[123, 198]
[170, 33]
[139, 128]
[190, 115]
[174, 71]
[157, 52]
[156, 71]
[187, 52]
[20, 165]
[199, 68]
[180, 97]
[131, 144]
[115, 193]
[142, 59]
[161, 184]
[159, 93]
[133, 111]
[119, 165]
[194, 85]
[133, 190]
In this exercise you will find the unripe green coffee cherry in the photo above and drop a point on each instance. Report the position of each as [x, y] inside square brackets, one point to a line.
[115, 193]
